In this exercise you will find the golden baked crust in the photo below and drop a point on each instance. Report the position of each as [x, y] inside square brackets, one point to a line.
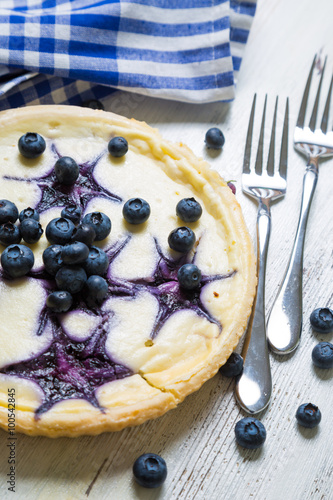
[189, 349]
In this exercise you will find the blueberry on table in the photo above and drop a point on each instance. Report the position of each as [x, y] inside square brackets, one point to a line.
[100, 223]
[188, 210]
[72, 212]
[250, 433]
[322, 355]
[97, 262]
[189, 276]
[96, 290]
[84, 233]
[66, 170]
[29, 213]
[214, 138]
[181, 239]
[308, 415]
[234, 365]
[31, 230]
[9, 234]
[74, 253]
[8, 212]
[17, 260]
[321, 320]
[31, 145]
[93, 104]
[59, 231]
[71, 278]
[118, 147]
[52, 259]
[136, 211]
[150, 470]
[59, 301]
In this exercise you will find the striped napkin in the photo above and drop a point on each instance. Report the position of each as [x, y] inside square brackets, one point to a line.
[185, 50]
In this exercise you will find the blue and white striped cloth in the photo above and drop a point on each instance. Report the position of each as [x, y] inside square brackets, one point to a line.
[186, 50]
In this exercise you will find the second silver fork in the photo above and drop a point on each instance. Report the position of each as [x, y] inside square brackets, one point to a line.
[254, 387]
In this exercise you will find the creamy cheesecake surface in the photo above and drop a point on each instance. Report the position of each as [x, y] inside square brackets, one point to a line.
[150, 343]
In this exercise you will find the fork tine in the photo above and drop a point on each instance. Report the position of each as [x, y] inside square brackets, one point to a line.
[301, 115]
[323, 125]
[259, 158]
[247, 152]
[312, 124]
[271, 153]
[284, 144]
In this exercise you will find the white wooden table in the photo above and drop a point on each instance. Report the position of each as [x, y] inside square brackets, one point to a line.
[197, 439]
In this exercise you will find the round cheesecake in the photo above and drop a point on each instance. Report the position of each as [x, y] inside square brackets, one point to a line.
[151, 342]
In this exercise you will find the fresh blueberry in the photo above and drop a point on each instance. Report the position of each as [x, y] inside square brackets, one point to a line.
[31, 145]
[66, 170]
[188, 210]
[189, 276]
[100, 223]
[84, 233]
[97, 262]
[150, 470]
[93, 104]
[59, 231]
[8, 212]
[71, 278]
[308, 415]
[322, 355]
[9, 234]
[74, 253]
[181, 239]
[72, 212]
[250, 433]
[232, 186]
[31, 230]
[214, 138]
[29, 213]
[233, 367]
[52, 259]
[118, 146]
[17, 260]
[321, 320]
[136, 211]
[96, 289]
[59, 301]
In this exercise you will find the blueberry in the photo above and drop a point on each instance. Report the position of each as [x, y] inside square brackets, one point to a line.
[72, 212]
[9, 234]
[52, 259]
[250, 433]
[92, 104]
[233, 367]
[118, 146]
[100, 223]
[181, 239]
[97, 262]
[96, 289]
[59, 231]
[136, 211]
[8, 212]
[188, 210]
[150, 470]
[66, 170]
[322, 355]
[71, 278]
[308, 415]
[84, 233]
[232, 186]
[31, 230]
[31, 145]
[74, 253]
[29, 213]
[17, 260]
[59, 301]
[214, 138]
[189, 276]
[321, 320]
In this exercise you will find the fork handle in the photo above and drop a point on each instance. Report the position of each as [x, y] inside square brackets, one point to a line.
[284, 325]
[254, 387]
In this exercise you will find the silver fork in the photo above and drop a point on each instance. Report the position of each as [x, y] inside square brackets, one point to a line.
[254, 387]
[284, 325]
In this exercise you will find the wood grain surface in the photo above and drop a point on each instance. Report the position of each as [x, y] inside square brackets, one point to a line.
[197, 439]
